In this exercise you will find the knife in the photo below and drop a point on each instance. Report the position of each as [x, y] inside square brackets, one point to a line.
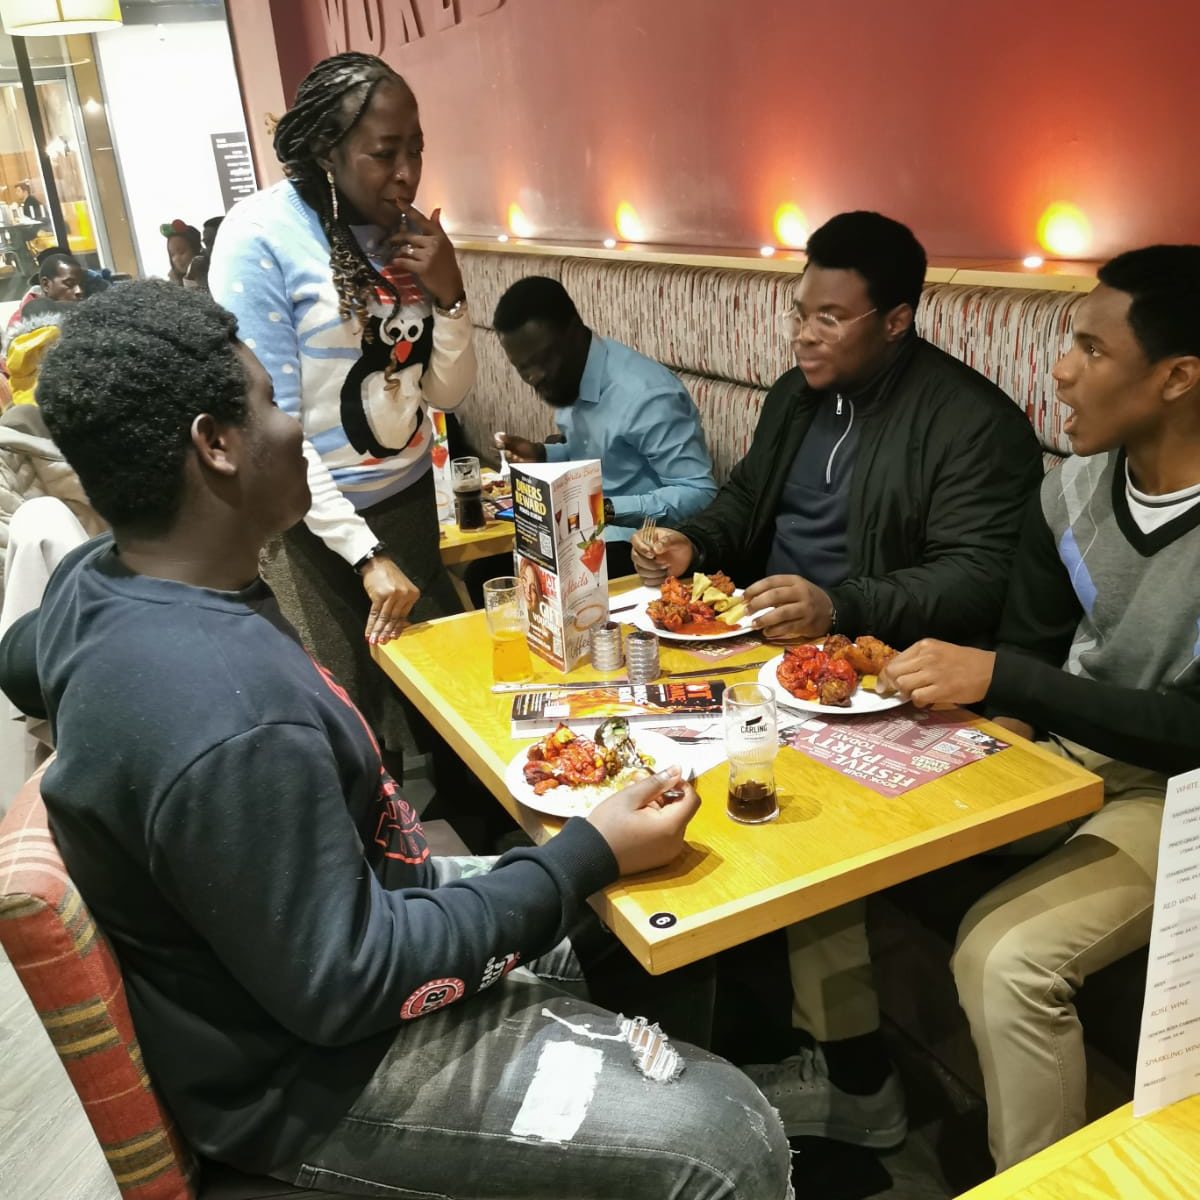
[623, 608]
[501, 689]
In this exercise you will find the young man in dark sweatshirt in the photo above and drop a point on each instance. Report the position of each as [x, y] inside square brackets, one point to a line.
[882, 494]
[1099, 652]
[316, 997]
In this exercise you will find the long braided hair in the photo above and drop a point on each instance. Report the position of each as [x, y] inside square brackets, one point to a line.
[329, 103]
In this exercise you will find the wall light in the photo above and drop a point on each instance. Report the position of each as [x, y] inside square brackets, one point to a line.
[791, 226]
[610, 243]
[629, 224]
[502, 238]
[1033, 262]
[767, 251]
[1064, 231]
[58, 18]
[518, 223]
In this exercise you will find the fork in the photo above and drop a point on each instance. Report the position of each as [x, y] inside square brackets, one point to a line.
[646, 533]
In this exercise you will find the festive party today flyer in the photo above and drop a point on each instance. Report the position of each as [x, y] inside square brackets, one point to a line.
[1168, 1063]
[895, 753]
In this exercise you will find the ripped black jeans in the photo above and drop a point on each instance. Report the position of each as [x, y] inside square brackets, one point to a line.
[529, 1090]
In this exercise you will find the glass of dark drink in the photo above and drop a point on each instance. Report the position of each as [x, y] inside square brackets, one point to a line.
[468, 493]
[751, 743]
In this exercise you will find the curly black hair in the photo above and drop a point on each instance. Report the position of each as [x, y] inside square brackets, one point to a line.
[329, 104]
[121, 387]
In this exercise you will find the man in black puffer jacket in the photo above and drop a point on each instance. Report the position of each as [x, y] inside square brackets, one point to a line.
[883, 491]
[882, 494]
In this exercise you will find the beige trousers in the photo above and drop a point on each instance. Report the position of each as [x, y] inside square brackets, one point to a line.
[1027, 946]
[833, 994]
[1023, 951]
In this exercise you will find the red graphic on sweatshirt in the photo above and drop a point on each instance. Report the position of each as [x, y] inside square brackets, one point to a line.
[435, 994]
[399, 831]
[344, 696]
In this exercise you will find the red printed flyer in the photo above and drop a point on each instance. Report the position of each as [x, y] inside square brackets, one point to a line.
[893, 754]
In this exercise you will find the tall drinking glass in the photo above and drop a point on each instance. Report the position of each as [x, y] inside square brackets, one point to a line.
[506, 624]
[467, 483]
[751, 742]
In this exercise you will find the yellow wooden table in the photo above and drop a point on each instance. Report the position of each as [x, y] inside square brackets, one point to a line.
[496, 537]
[1118, 1157]
[833, 841]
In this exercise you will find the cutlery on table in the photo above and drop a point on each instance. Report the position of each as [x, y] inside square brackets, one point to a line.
[576, 685]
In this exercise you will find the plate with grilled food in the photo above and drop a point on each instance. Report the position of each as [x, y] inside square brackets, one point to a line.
[567, 773]
[836, 676]
[702, 608]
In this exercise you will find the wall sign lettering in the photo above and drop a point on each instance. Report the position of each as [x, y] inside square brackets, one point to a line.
[372, 26]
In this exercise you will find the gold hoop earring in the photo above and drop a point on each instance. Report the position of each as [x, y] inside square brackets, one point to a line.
[332, 193]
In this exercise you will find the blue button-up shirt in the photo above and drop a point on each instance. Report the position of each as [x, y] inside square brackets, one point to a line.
[638, 419]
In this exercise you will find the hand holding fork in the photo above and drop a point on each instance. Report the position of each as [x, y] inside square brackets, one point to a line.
[658, 553]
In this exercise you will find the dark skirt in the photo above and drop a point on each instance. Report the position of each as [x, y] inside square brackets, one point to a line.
[324, 598]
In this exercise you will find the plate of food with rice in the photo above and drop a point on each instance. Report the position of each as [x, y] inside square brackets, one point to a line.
[567, 773]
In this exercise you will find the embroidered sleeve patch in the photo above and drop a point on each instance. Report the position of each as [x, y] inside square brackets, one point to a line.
[435, 994]
[497, 967]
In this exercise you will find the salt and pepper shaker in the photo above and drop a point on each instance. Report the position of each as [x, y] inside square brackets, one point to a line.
[606, 646]
[641, 657]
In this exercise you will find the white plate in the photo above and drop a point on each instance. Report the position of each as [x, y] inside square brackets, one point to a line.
[640, 618]
[578, 802]
[862, 701]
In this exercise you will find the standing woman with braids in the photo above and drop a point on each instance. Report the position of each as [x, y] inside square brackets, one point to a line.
[354, 303]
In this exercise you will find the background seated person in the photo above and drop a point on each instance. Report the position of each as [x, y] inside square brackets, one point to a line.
[184, 243]
[1097, 653]
[610, 403]
[269, 894]
[882, 494]
[31, 465]
[31, 207]
[60, 277]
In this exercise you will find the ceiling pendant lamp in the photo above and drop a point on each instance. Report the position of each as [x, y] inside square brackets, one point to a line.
[58, 18]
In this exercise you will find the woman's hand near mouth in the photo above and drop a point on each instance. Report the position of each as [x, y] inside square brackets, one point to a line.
[421, 246]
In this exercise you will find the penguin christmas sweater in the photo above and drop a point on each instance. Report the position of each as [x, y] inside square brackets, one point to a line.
[362, 396]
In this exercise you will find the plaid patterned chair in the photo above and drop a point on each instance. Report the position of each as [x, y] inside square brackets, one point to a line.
[69, 971]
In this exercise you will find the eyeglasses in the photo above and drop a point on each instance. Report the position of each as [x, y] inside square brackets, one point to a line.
[823, 326]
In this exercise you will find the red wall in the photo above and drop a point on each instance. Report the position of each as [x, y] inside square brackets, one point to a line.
[960, 117]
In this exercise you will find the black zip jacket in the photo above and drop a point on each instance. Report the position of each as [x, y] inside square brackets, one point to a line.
[946, 465]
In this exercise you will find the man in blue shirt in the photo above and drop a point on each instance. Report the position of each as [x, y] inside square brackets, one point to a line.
[610, 403]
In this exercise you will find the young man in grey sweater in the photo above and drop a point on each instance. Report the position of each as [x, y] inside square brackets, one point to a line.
[1099, 654]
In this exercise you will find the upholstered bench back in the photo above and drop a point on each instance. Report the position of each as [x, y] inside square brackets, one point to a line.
[74, 982]
[71, 975]
[719, 330]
